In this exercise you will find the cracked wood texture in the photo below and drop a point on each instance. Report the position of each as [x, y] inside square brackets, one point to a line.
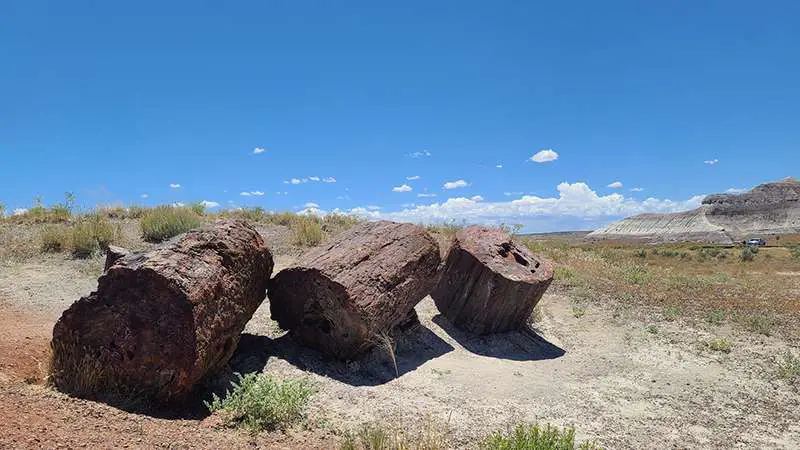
[162, 320]
[489, 283]
[339, 297]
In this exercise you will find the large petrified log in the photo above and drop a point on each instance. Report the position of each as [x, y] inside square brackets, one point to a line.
[340, 297]
[163, 320]
[489, 283]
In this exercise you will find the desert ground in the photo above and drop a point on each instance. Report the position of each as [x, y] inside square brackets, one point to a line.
[633, 346]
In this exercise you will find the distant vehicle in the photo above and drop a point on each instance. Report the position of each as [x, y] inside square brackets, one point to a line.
[757, 242]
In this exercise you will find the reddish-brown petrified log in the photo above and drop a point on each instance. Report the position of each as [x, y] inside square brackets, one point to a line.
[340, 297]
[489, 283]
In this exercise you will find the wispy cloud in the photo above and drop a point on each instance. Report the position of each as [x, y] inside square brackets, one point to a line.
[543, 156]
[329, 180]
[145, 195]
[259, 150]
[295, 181]
[209, 204]
[174, 185]
[313, 178]
[615, 185]
[420, 154]
[499, 166]
[251, 193]
[512, 194]
[455, 184]
[736, 190]
[476, 198]
[311, 205]
[711, 162]
[423, 195]
[413, 178]
[637, 189]
[402, 188]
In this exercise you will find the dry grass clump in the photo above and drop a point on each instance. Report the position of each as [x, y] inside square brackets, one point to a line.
[39, 213]
[383, 436]
[83, 239]
[307, 230]
[164, 222]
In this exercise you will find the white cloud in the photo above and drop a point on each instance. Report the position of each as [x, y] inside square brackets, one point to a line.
[544, 156]
[342, 197]
[311, 205]
[426, 195]
[360, 212]
[257, 193]
[329, 180]
[420, 154]
[637, 189]
[295, 181]
[711, 161]
[144, 195]
[178, 205]
[615, 185]
[455, 184]
[209, 204]
[476, 198]
[575, 201]
[373, 207]
[251, 193]
[245, 194]
[512, 194]
[736, 190]
[402, 188]
[413, 178]
[259, 150]
[19, 211]
[499, 166]
[174, 185]
[313, 178]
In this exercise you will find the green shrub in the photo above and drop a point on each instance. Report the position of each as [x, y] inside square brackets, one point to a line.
[563, 273]
[307, 231]
[535, 437]
[671, 313]
[761, 324]
[261, 402]
[748, 253]
[55, 239]
[795, 251]
[715, 317]
[198, 208]
[84, 243]
[636, 274]
[641, 253]
[380, 436]
[164, 222]
[720, 345]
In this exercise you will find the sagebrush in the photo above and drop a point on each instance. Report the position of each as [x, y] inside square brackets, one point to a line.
[164, 222]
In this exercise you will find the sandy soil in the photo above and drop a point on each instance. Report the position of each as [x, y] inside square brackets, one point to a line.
[620, 376]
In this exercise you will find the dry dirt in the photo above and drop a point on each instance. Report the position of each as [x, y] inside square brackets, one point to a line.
[621, 378]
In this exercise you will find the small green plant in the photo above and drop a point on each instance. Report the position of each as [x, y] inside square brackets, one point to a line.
[641, 253]
[578, 311]
[55, 239]
[789, 367]
[535, 437]
[380, 436]
[636, 275]
[716, 317]
[671, 313]
[563, 273]
[748, 253]
[198, 208]
[793, 250]
[307, 231]
[761, 324]
[720, 345]
[261, 402]
[164, 222]
[652, 328]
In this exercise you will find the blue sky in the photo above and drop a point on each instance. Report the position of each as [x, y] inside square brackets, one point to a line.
[119, 100]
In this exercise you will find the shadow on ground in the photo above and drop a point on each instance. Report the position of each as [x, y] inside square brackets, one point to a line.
[414, 347]
[525, 345]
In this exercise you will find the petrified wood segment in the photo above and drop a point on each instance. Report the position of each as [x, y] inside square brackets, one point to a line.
[489, 283]
[341, 296]
[163, 320]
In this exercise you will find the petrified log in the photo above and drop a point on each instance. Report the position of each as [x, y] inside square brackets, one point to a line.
[489, 283]
[114, 253]
[163, 320]
[340, 297]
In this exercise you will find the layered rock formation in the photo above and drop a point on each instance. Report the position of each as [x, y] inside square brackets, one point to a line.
[768, 210]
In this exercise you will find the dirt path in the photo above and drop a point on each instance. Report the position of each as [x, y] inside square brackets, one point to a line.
[620, 379]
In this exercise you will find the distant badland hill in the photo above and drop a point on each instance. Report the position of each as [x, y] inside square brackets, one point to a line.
[768, 210]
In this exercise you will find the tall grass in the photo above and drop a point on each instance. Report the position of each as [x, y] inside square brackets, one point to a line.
[261, 402]
[164, 222]
[381, 436]
[307, 231]
[535, 437]
[84, 238]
